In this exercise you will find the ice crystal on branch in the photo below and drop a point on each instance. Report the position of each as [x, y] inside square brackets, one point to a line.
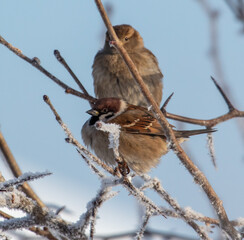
[23, 178]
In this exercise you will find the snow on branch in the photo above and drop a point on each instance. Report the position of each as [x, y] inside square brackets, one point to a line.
[29, 176]
[103, 195]
[19, 223]
[145, 221]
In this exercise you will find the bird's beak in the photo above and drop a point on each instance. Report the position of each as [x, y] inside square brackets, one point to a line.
[93, 112]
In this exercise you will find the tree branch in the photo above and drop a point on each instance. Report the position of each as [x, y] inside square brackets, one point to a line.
[233, 113]
[35, 62]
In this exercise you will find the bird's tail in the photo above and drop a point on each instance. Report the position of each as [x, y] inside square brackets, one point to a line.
[188, 133]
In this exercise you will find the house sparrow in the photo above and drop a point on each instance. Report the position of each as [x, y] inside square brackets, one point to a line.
[112, 77]
[142, 140]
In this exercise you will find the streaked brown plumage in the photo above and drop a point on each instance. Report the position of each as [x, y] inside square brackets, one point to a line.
[112, 77]
[142, 139]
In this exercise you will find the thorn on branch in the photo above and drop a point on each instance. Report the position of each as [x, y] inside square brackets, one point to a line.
[163, 108]
[228, 102]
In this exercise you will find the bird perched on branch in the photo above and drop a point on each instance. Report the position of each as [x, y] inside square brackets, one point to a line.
[112, 77]
[142, 140]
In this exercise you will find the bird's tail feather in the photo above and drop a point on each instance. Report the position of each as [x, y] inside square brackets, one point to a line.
[188, 133]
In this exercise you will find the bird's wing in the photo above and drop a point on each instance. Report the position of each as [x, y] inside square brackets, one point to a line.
[138, 120]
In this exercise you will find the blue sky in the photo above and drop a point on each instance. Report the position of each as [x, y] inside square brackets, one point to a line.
[177, 32]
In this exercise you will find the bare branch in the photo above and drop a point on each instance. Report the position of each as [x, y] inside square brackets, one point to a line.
[64, 63]
[233, 113]
[35, 62]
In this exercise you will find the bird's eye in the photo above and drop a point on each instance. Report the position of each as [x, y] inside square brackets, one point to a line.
[104, 110]
[126, 38]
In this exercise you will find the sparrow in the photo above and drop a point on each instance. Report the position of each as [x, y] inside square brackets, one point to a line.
[112, 77]
[142, 140]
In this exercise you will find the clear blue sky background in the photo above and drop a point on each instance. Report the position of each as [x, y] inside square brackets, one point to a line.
[177, 32]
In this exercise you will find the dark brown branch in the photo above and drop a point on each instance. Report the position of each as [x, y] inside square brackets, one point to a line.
[35, 62]
[198, 176]
[233, 113]
[64, 63]
[81, 95]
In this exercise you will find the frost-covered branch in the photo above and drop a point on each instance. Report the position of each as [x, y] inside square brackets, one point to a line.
[157, 186]
[145, 221]
[91, 165]
[23, 178]
[35, 216]
[19, 223]
[103, 195]
[210, 144]
[71, 139]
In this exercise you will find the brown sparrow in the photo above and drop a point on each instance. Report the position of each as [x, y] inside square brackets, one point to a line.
[112, 77]
[141, 141]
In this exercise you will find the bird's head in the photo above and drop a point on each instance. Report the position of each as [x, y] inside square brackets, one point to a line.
[105, 109]
[128, 36]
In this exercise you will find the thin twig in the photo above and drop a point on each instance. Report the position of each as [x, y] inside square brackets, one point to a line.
[92, 166]
[64, 63]
[233, 113]
[21, 179]
[72, 140]
[198, 176]
[81, 95]
[155, 184]
[146, 218]
[35, 63]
